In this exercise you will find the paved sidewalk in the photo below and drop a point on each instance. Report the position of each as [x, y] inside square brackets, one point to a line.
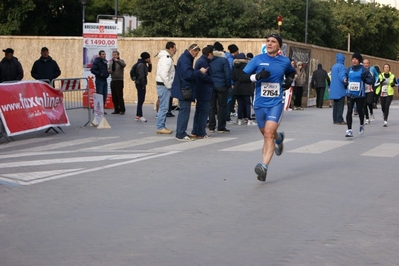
[127, 196]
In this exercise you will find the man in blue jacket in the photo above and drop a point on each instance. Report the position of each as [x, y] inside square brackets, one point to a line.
[183, 88]
[221, 75]
[100, 71]
[339, 79]
[45, 68]
[203, 94]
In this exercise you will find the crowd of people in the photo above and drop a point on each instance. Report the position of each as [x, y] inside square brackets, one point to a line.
[219, 79]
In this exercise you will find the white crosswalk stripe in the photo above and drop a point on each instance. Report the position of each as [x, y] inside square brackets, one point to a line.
[383, 150]
[182, 146]
[128, 143]
[321, 146]
[251, 146]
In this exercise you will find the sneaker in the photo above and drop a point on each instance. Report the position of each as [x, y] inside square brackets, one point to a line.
[261, 171]
[252, 123]
[278, 148]
[385, 123]
[212, 130]
[164, 131]
[230, 122]
[372, 118]
[186, 138]
[223, 130]
[170, 115]
[233, 114]
[142, 119]
[239, 122]
[298, 108]
[361, 130]
[349, 133]
[203, 137]
[367, 122]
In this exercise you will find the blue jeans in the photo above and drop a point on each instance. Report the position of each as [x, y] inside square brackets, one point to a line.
[102, 88]
[200, 117]
[338, 110]
[182, 118]
[163, 95]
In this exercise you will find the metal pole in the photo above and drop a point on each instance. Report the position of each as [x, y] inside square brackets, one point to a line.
[306, 21]
[116, 11]
[83, 14]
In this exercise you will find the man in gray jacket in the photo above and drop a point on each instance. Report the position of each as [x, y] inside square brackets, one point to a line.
[116, 71]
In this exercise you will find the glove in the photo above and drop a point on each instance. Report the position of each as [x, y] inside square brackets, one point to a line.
[392, 84]
[263, 74]
[287, 83]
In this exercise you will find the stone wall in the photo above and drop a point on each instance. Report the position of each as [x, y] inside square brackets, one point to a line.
[67, 51]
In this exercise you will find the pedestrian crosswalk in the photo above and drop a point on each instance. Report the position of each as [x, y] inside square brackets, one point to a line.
[53, 158]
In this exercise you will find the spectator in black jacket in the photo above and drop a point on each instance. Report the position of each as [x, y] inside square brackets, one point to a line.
[319, 80]
[10, 67]
[45, 68]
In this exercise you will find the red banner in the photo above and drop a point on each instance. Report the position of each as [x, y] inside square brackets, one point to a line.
[29, 106]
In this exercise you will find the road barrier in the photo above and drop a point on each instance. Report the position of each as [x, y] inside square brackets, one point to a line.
[74, 93]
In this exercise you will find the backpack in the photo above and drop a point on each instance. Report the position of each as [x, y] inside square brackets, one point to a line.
[133, 72]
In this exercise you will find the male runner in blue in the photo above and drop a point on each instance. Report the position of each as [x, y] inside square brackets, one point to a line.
[268, 71]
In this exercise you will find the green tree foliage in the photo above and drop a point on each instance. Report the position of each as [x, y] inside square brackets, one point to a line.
[13, 13]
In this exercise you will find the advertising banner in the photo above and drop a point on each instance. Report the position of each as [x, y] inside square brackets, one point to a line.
[97, 37]
[29, 106]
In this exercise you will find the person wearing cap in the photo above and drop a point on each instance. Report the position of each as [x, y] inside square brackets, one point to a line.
[221, 75]
[183, 88]
[144, 66]
[268, 71]
[242, 91]
[164, 78]
[358, 77]
[100, 71]
[10, 67]
[45, 68]
[116, 69]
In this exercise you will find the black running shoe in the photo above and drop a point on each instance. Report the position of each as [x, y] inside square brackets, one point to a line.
[261, 171]
[223, 130]
[278, 148]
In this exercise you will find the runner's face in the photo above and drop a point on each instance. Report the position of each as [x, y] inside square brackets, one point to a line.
[386, 68]
[366, 63]
[355, 61]
[272, 46]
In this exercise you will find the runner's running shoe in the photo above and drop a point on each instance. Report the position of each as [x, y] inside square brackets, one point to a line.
[361, 130]
[349, 133]
[261, 171]
[279, 145]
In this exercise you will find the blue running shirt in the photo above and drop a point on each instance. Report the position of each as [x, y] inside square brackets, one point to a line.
[268, 92]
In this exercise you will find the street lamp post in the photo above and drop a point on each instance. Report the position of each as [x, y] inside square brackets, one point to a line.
[84, 3]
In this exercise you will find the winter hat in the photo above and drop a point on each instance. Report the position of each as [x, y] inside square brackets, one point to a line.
[145, 55]
[218, 46]
[232, 48]
[299, 63]
[250, 55]
[241, 56]
[278, 38]
[358, 56]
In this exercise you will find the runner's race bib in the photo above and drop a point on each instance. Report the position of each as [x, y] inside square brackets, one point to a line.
[270, 90]
[354, 86]
[384, 90]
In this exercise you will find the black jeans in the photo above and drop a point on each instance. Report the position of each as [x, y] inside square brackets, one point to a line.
[117, 95]
[298, 97]
[141, 90]
[319, 96]
[218, 106]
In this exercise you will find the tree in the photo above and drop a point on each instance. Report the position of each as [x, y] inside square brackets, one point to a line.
[13, 14]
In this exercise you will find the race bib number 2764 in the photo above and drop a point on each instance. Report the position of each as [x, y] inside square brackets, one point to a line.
[270, 89]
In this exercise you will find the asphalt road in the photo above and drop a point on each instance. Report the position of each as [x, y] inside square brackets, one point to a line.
[127, 196]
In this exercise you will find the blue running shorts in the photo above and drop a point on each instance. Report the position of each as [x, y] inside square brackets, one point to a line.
[264, 114]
